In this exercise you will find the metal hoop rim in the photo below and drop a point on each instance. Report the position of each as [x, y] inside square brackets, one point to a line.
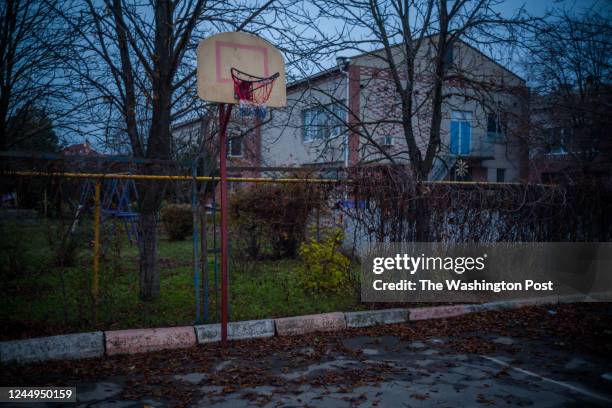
[236, 73]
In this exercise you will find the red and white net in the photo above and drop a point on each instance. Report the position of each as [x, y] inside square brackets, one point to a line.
[252, 91]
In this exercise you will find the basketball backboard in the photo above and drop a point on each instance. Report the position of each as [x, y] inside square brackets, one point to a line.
[218, 54]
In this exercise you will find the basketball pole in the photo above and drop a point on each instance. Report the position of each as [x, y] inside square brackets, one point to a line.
[225, 111]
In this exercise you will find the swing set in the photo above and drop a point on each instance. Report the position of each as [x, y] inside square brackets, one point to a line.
[116, 203]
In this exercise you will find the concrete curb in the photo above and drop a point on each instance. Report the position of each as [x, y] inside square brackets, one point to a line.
[574, 298]
[516, 304]
[68, 346]
[144, 340]
[438, 312]
[98, 344]
[291, 326]
[375, 317]
[547, 300]
[593, 297]
[250, 329]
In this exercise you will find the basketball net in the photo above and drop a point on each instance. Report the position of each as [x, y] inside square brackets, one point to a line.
[252, 93]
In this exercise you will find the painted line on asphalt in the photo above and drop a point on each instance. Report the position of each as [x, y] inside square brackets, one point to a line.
[559, 383]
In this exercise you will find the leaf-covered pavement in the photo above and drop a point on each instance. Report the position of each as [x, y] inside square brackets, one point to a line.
[469, 360]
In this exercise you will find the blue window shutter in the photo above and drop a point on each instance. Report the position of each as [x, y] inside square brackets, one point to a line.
[466, 135]
[454, 142]
[319, 120]
[307, 125]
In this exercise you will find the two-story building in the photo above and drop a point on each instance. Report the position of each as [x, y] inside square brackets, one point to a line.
[570, 138]
[199, 138]
[351, 115]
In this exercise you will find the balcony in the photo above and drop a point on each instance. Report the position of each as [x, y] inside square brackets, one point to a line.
[476, 149]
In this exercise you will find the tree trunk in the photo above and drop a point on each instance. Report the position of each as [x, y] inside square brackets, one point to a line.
[158, 147]
[422, 223]
[147, 242]
[151, 194]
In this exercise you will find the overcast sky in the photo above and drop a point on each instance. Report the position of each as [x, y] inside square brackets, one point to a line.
[511, 58]
[539, 7]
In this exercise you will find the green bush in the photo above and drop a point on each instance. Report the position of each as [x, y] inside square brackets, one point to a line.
[324, 267]
[177, 220]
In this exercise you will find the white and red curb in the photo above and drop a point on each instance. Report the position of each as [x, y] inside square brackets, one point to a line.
[250, 329]
[376, 317]
[98, 344]
[63, 347]
[438, 312]
[145, 340]
[292, 326]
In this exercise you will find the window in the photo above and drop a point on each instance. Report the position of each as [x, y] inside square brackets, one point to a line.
[323, 122]
[234, 146]
[501, 175]
[494, 125]
[311, 123]
[386, 141]
[460, 132]
[557, 140]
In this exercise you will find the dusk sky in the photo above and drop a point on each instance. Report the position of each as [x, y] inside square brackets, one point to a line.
[512, 58]
[539, 7]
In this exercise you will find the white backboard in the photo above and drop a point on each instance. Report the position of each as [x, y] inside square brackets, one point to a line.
[246, 52]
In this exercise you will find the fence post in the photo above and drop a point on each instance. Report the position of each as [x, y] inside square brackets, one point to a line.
[224, 114]
[96, 248]
[215, 256]
[196, 259]
[204, 261]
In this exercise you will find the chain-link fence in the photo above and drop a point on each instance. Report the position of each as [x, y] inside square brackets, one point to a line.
[72, 239]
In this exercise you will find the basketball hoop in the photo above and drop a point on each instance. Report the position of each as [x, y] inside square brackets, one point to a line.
[218, 56]
[252, 92]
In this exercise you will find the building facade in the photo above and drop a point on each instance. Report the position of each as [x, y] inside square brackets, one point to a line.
[351, 115]
[570, 137]
[199, 137]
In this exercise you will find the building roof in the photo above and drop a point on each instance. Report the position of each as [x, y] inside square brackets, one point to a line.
[336, 69]
[198, 120]
[314, 77]
[80, 149]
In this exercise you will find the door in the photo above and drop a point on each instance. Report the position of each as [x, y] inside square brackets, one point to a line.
[460, 132]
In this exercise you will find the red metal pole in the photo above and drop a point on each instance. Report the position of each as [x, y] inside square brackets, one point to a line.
[224, 115]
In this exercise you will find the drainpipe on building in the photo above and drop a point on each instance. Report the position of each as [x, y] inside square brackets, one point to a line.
[343, 64]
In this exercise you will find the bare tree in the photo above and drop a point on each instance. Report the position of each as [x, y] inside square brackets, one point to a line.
[134, 69]
[33, 43]
[423, 58]
[569, 62]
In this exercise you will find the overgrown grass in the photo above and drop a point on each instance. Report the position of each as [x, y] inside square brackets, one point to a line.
[39, 297]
